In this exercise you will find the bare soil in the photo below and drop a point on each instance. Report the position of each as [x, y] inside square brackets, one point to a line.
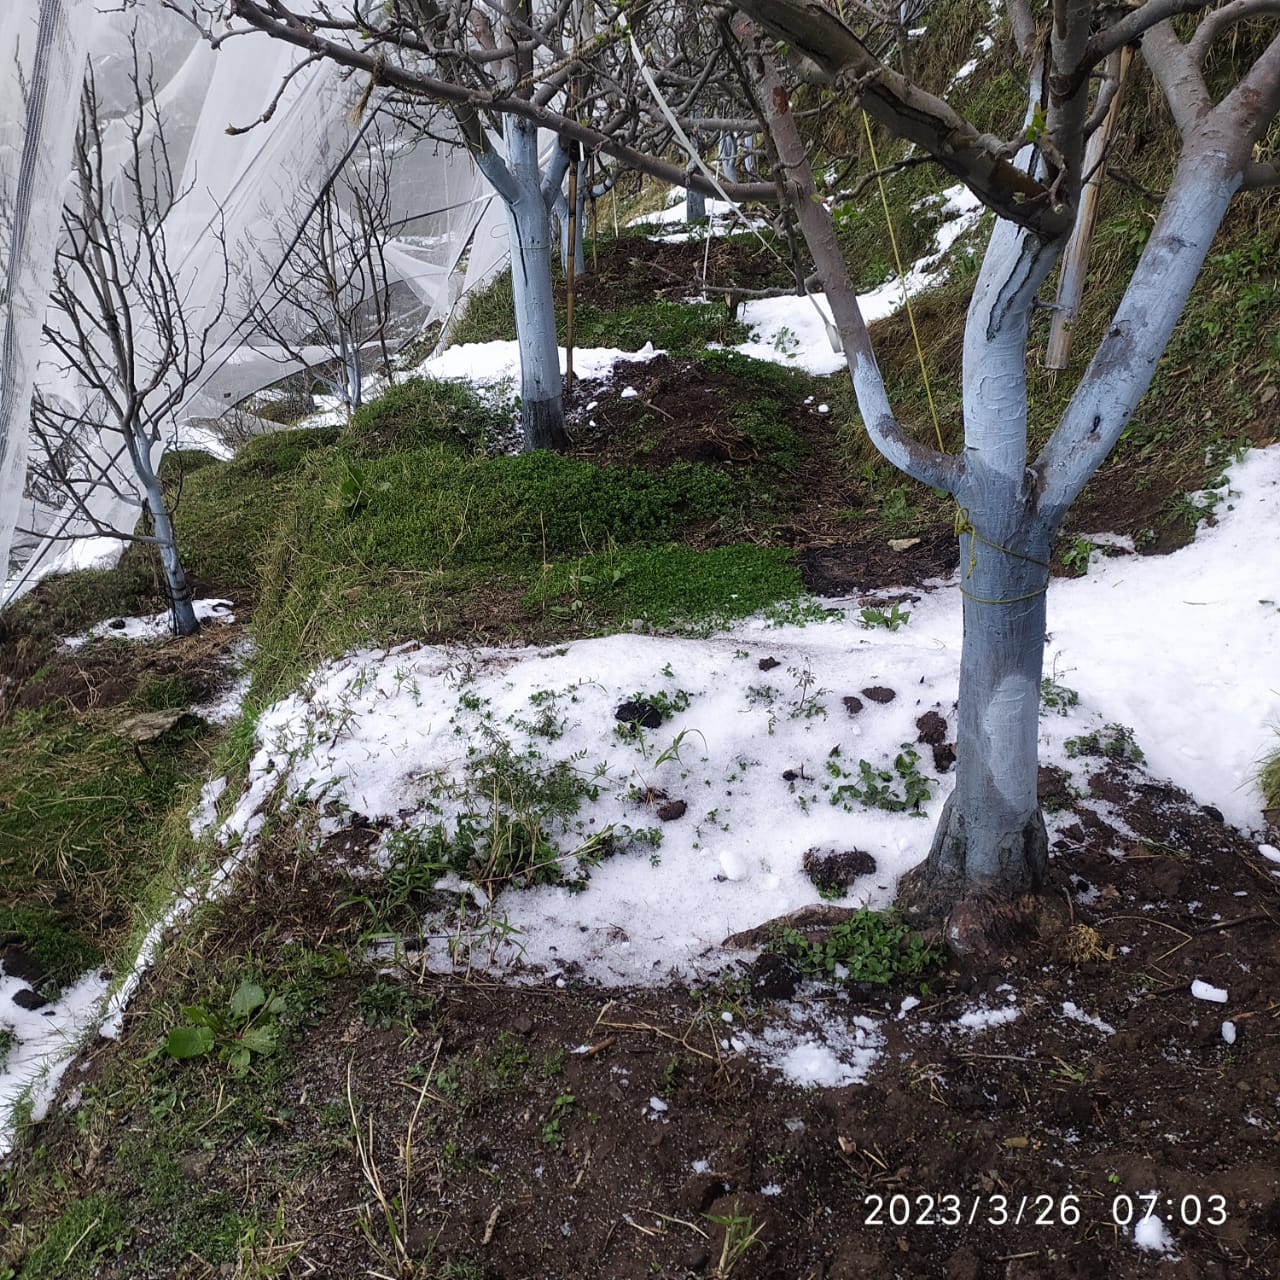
[539, 1150]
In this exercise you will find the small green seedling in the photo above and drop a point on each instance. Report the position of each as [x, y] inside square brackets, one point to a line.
[248, 1027]
[891, 621]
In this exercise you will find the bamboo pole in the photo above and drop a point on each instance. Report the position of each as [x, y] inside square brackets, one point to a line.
[570, 259]
[1075, 261]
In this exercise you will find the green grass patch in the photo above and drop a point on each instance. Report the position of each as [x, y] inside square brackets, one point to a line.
[439, 512]
[227, 510]
[398, 543]
[774, 378]
[670, 586]
[868, 946]
[81, 827]
[489, 314]
[87, 1233]
[416, 413]
[678, 327]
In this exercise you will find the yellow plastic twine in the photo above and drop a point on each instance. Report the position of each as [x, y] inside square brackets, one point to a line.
[963, 525]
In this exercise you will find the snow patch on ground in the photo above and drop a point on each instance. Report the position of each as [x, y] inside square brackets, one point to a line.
[793, 331]
[44, 1042]
[1170, 645]
[983, 1018]
[1071, 1010]
[152, 627]
[1151, 1235]
[816, 1047]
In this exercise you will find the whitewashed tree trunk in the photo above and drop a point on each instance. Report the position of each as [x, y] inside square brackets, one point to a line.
[179, 587]
[991, 833]
[166, 540]
[541, 404]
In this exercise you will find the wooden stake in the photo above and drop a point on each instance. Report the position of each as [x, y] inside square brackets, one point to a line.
[1075, 261]
[570, 259]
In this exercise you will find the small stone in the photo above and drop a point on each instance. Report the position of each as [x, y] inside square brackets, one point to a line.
[696, 1259]
[878, 693]
[151, 726]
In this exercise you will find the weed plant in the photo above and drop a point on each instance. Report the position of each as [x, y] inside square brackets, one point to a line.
[868, 946]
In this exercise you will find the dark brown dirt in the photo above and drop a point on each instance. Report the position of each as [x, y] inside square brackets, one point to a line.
[106, 673]
[639, 269]
[539, 1150]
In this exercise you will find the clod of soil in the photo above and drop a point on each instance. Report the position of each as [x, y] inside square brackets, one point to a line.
[639, 714]
[852, 705]
[878, 693]
[833, 872]
[672, 810]
[768, 664]
[932, 729]
[944, 756]
[850, 568]
[18, 964]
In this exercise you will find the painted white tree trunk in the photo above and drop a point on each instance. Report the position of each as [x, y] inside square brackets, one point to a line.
[991, 838]
[519, 185]
[991, 842]
[184, 615]
[991, 834]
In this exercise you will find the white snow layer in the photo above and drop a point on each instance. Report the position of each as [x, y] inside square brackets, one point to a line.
[1174, 646]
[151, 627]
[388, 734]
[1151, 1234]
[44, 1041]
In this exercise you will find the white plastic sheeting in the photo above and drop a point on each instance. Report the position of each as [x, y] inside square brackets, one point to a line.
[243, 188]
[42, 47]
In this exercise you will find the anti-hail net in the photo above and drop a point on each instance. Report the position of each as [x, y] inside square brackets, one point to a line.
[44, 45]
[244, 194]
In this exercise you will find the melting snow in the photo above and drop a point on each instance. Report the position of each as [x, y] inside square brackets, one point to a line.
[1203, 991]
[151, 627]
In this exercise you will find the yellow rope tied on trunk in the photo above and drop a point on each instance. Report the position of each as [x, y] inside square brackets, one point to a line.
[963, 524]
[902, 278]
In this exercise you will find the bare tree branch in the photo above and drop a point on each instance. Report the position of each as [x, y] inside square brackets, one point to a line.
[909, 112]
[1136, 23]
